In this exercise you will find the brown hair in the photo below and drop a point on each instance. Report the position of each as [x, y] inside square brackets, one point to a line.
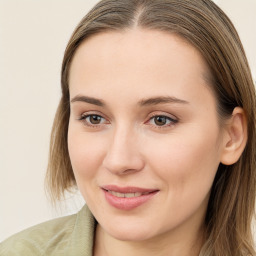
[206, 27]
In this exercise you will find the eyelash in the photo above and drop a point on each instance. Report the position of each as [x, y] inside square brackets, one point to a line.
[85, 116]
[172, 121]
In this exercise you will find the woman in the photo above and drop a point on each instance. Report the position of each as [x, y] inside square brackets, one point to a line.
[156, 127]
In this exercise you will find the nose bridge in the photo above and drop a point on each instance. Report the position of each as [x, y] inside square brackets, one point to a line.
[123, 154]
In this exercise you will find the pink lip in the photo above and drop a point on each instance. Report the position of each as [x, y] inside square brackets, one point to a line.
[129, 203]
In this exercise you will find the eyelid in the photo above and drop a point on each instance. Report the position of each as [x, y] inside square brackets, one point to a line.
[161, 113]
[86, 114]
[173, 119]
[91, 113]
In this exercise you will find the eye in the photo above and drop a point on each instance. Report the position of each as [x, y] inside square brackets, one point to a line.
[93, 119]
[161, 120]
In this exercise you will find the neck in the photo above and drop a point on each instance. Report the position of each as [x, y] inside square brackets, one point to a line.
[176, 244]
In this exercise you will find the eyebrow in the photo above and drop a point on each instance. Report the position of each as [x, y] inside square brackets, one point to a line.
[161, 100]
[90, 100]
[143, 102]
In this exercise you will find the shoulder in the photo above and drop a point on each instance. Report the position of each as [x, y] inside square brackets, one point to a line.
[48, 238]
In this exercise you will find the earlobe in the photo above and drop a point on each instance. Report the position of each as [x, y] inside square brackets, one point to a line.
[235, 137]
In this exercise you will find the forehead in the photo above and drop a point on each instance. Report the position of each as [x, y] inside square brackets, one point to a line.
[145, 61]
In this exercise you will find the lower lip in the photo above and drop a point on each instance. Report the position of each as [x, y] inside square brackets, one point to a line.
[127, 203]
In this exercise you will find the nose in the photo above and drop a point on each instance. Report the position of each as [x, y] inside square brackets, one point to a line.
[123, 155]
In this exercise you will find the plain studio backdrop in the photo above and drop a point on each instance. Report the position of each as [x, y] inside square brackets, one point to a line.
[33, 36]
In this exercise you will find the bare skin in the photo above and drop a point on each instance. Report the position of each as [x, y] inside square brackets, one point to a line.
[143, 115]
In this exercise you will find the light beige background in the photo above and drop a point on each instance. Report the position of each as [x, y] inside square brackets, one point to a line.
[33, 36]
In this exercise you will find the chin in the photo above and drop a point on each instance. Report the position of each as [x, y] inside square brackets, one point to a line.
[129, 232]
[130, 236]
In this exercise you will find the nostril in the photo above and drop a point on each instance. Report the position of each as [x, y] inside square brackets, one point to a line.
[122, 158]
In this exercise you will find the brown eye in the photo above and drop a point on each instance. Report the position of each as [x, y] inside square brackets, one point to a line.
[160, 120]
[94, 119]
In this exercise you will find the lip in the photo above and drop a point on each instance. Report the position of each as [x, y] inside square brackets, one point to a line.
[127, 203]
[128, 189]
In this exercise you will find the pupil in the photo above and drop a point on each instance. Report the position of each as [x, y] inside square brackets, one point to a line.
[160, 120]
[95, 119]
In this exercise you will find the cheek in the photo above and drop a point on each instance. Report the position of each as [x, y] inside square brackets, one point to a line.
[85, 154]
[186, 162]
[187, 168]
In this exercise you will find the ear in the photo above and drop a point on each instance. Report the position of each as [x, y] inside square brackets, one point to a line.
[235, 137]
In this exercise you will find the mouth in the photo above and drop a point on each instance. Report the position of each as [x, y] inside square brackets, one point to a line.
[127, 195]
[127, 198]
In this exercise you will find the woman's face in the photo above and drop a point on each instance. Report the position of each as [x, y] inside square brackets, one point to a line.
[144, 138]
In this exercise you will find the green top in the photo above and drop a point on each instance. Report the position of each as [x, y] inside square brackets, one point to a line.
[71, 235]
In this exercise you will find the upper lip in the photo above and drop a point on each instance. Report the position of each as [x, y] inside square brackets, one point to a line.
[128, 189]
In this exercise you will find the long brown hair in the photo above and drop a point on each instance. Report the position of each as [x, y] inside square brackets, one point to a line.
[207, 28]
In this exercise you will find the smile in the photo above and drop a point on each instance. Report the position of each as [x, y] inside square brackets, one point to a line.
[127, 198]
[126, 195]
